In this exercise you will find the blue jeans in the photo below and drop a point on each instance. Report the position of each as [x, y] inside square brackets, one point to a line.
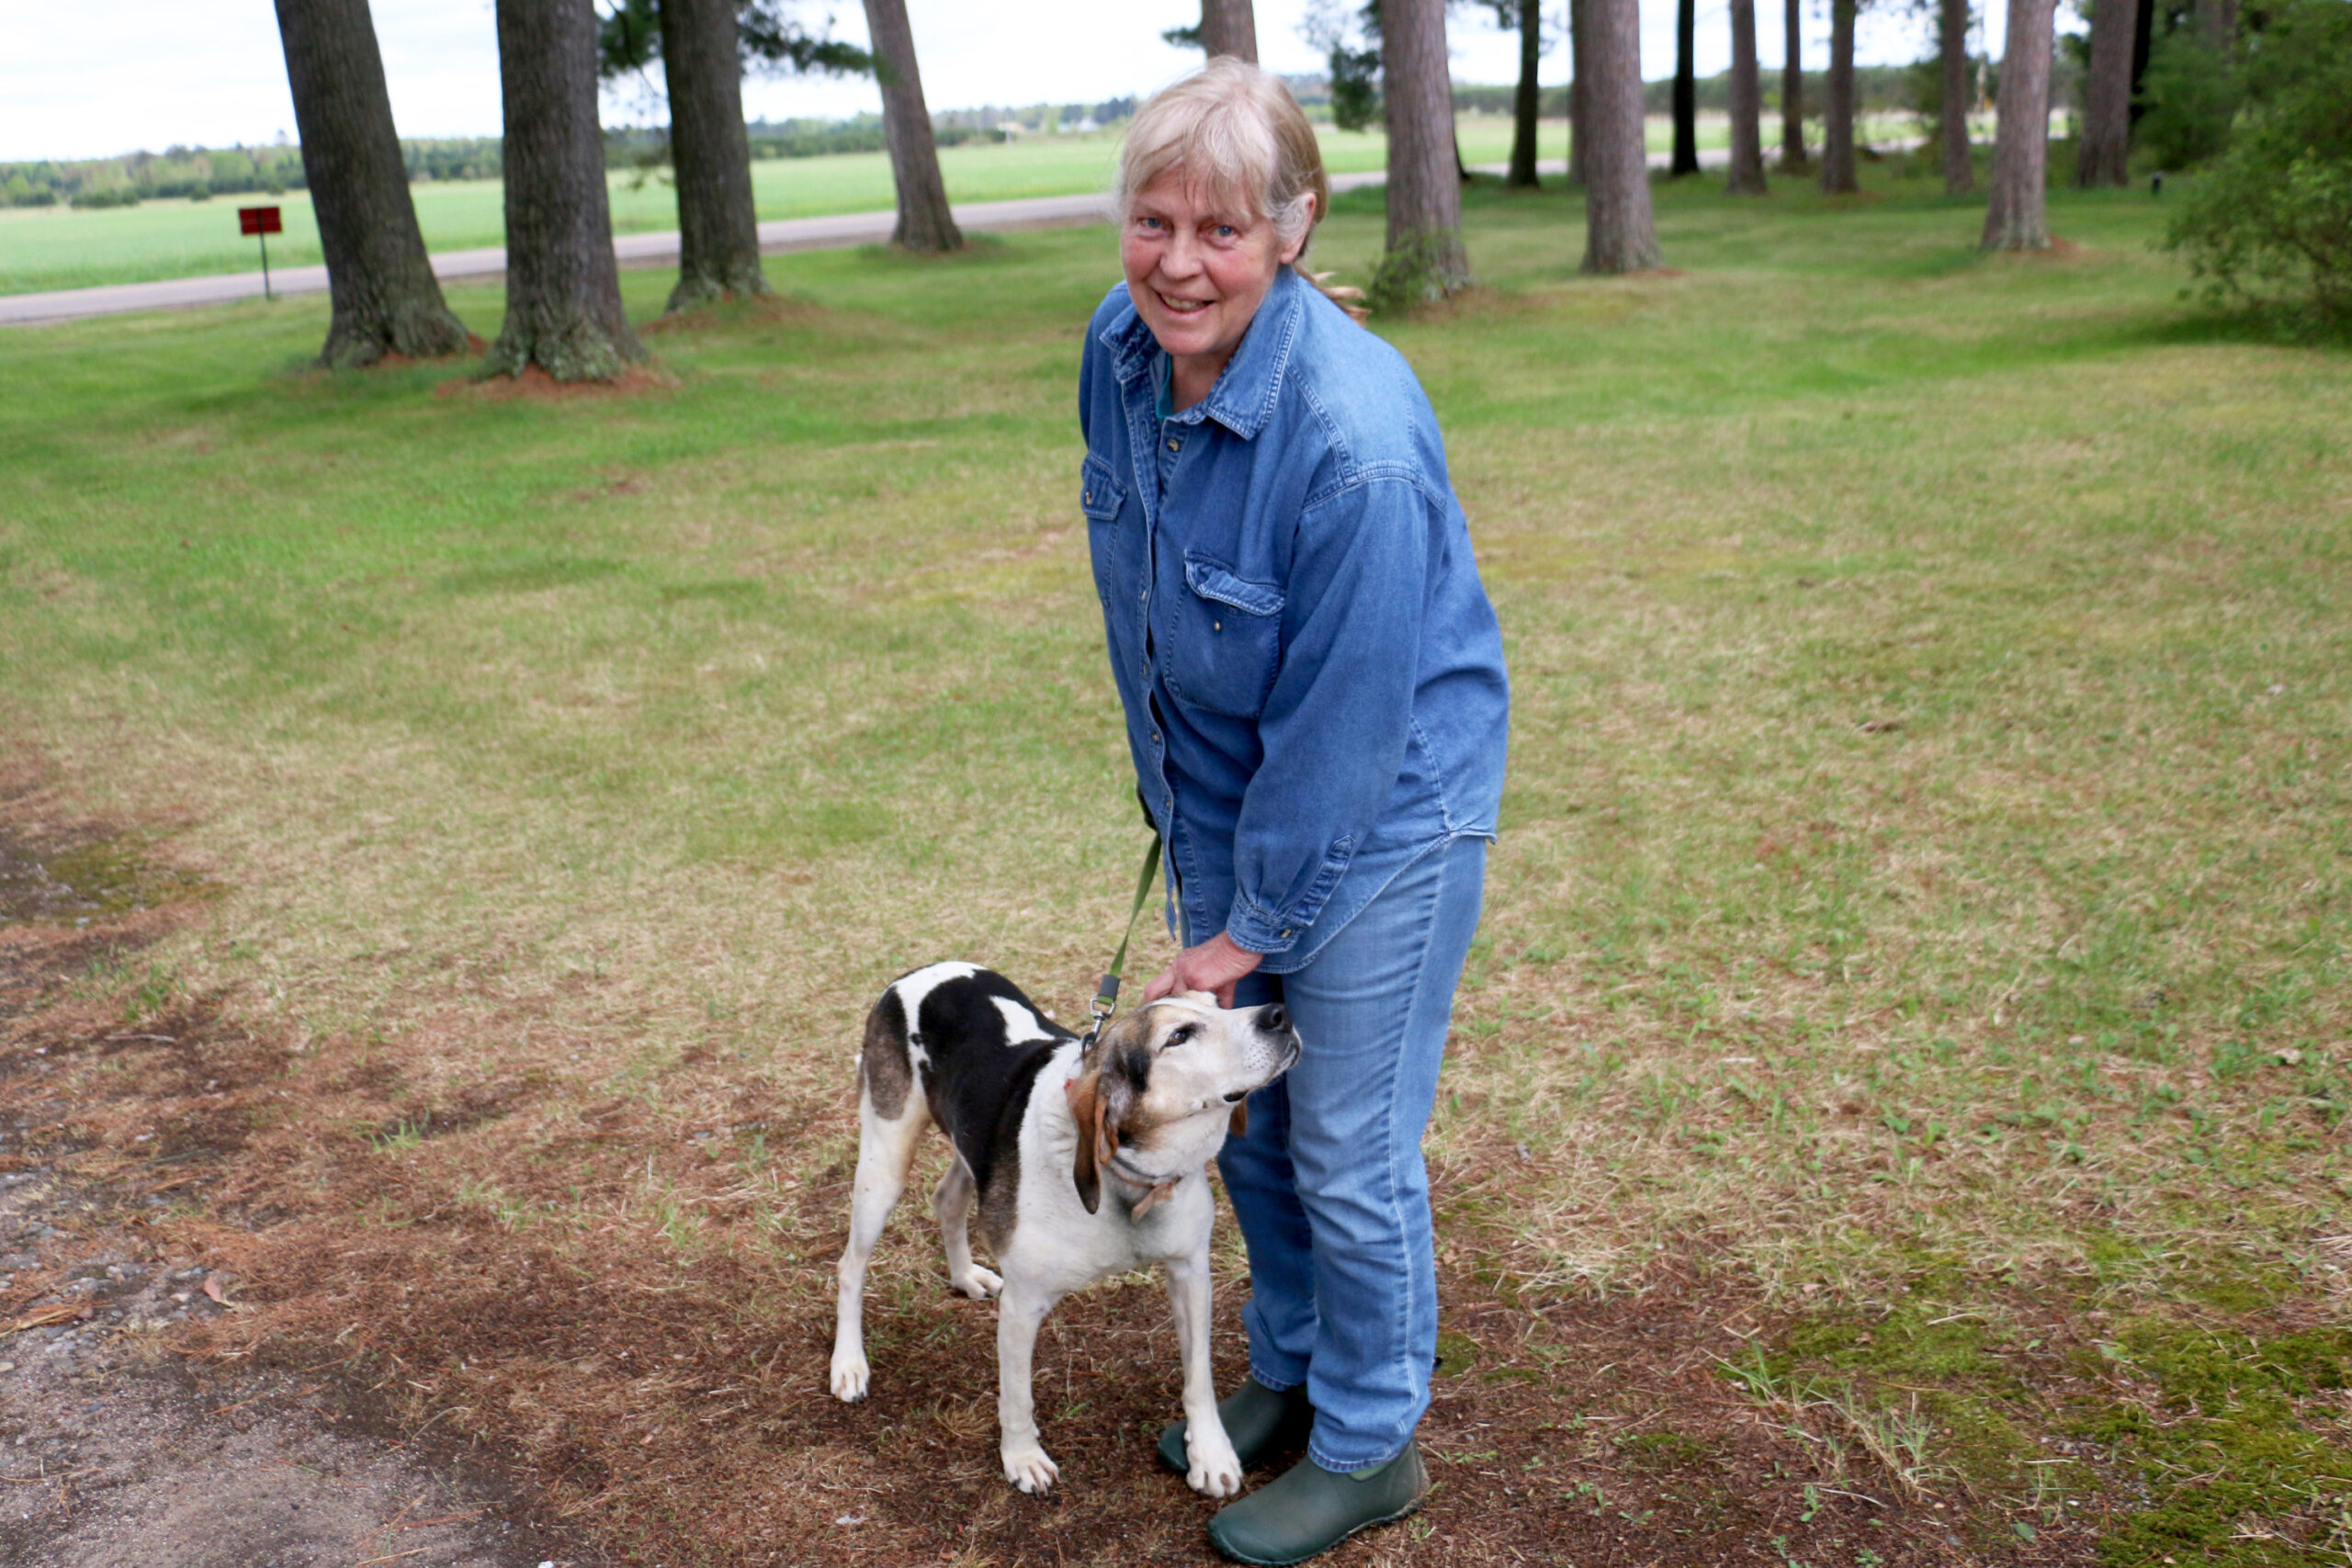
[1329, 1185]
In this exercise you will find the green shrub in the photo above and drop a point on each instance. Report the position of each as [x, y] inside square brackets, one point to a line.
[19, 189]
[2189, 93]
[2273, 218]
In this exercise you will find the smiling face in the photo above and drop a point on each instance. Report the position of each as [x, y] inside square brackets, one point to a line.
[1165, 1080]
[1198, 266]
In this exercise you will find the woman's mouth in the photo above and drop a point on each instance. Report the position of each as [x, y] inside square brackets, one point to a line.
[1178, 306]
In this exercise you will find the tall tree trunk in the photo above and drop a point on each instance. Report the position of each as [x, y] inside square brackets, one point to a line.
[2218, 21]
[2017, 219]
[1960, 172]
[563, 289]
[2144, 30]
[1579, 123]
[1528, 100]
[1229, 27]
[1686, 90]
[2107, 98]
[385, 299]
[1747, 103]
[1838, 122]
[924, 223]
[1793, 89]
[1424, 259]
[718, 228]
[1619, 235]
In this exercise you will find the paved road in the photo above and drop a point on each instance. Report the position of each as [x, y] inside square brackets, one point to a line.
[634, 250]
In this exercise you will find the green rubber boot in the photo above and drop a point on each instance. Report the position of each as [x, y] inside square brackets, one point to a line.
[1310, 1509]
[1256, 1418]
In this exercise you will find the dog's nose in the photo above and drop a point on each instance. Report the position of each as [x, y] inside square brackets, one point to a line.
[1274, 1019]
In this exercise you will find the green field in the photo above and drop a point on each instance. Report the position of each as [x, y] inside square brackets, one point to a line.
[60, 248]
[1905, 1058]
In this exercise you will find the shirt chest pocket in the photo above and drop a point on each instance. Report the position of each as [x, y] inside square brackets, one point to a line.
[1224, 642]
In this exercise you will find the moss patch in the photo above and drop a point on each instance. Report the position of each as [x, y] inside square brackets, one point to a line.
[2244, 1459]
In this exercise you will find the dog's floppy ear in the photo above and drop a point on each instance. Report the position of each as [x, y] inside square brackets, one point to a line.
[1085, 1092]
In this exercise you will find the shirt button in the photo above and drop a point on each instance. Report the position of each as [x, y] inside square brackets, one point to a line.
[1088, 497]
[1285, 933]
[1155, 737]
[1216, 626]
[1174, 445]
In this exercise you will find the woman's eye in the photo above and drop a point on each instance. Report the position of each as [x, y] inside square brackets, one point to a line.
[1226, 231]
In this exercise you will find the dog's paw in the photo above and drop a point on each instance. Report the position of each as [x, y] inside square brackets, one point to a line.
[977, 1283]
[1027, 1467]
[850, 1376]
[1217, 1468]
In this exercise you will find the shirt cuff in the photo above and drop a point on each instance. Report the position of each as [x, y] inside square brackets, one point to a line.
[1261, 931]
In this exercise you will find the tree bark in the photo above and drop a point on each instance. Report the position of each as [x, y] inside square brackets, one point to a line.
[924, 223]
[1960, 172]
[1424, 260]
[1229, 27]
[1793, 89]
[1620, 236]
[1685, 158]
[1746, 105]
[1838, 122]
[385, 299]
[1529, 98]
[718, 227]
[2104, 157]
[2017, 219]
[563, 291]
[1579, 45]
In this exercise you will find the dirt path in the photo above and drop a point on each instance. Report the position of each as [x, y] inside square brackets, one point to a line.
[117, 1447]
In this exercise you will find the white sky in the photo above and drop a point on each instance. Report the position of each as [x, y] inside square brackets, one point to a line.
[152, 72]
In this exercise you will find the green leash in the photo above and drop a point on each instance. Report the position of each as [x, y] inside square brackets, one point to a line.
[1106, 995]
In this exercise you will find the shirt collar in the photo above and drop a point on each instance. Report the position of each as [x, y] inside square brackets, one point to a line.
[1243, 399]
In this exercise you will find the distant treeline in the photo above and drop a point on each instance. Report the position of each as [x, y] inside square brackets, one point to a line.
[195, 173]
[1879, 89]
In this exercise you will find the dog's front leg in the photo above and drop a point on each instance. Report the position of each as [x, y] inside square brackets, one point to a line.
[1019, 1313]
[1215, 1468]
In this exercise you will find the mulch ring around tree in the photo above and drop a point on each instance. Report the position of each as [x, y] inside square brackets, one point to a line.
[535, 385]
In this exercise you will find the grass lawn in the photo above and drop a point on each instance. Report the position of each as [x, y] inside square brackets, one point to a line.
[43, 248]
[1896, 1107]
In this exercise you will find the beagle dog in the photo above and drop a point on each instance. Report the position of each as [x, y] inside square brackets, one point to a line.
[1081, 1164]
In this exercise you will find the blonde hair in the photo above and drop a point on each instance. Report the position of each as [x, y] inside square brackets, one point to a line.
[1235, 130]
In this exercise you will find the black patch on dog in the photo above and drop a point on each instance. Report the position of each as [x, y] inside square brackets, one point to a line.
[979, 1086]
[884, 1061]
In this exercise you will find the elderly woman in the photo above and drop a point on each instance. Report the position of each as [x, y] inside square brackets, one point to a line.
[1315, 702]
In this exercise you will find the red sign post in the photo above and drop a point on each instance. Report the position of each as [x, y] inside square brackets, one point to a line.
[262, 221]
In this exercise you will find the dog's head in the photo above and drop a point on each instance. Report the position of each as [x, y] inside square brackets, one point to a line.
[1166, 1082]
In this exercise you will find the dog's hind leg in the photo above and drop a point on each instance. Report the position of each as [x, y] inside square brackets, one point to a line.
[1019, 1313]
[951, 1201]
[886, 1152]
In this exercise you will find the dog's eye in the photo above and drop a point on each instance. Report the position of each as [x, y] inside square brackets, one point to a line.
[1176, 1037]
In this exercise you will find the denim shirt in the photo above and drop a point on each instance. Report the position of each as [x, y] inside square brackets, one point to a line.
[1312, 673]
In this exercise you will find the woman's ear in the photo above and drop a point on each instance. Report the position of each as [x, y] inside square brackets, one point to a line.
[1297, 248]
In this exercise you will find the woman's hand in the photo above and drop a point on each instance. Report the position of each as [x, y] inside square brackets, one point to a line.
[1212, 966]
